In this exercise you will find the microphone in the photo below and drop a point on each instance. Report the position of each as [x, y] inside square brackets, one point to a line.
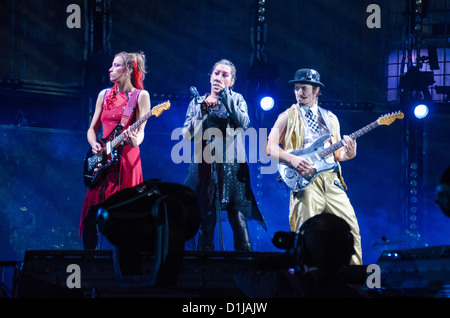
[194, 92]
[195, 95]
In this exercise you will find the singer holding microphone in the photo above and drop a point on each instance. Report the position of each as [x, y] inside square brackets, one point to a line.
[219, 172]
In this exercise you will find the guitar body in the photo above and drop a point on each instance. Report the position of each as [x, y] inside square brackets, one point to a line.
[293, 178]
[95, 165]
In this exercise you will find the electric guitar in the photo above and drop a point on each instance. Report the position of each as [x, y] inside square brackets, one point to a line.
[316, 154]
[96, 164]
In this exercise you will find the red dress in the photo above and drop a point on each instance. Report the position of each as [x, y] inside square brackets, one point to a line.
[118, 177]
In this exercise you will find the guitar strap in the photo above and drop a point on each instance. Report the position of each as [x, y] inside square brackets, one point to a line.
[326, 119]
[132, 99]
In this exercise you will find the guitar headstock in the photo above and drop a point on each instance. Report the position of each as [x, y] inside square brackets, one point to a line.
[389, 118]
[158, 109]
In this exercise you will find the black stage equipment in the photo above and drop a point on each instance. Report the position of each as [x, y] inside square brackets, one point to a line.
[422, 272]
[443, 193]
[293, 244]
[148, 226]
[44, 274]
[445, 90]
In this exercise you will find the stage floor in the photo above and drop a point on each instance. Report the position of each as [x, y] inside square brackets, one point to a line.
[411, 273]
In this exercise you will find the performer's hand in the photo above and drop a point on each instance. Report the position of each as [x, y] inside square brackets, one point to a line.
[130, 137]
[349, 147]
[302, 166]
[210, 102]
[218, 85]
[97, 148]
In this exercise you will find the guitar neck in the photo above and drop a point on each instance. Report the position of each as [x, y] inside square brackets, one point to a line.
[326, 151]
[138, 122]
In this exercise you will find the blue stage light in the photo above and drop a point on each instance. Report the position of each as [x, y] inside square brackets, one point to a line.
[421, 111]
[267, 103]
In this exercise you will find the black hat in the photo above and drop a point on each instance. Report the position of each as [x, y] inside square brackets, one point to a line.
[307, 75]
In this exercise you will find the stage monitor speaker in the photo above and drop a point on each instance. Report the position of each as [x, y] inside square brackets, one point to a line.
[419, 272]
[47, 274]
[44, 274]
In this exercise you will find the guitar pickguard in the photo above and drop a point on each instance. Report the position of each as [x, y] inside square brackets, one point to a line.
[293, 178]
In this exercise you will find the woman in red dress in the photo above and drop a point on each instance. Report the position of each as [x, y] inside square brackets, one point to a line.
[127, 73]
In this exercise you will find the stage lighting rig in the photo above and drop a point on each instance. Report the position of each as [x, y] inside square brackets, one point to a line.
[415, 96]
[261, 75]
[415, 101]
[445, 90]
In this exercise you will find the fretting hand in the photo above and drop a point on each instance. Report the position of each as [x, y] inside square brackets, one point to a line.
[349, 147]
[131, 137]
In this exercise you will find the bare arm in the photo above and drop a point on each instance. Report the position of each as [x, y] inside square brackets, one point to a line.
[274, 150]
[95, 124]
[348, 151]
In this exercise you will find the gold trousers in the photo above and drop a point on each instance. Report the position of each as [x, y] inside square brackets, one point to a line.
[325, 194]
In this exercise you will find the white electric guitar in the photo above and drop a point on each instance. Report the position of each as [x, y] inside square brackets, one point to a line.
[316, 154]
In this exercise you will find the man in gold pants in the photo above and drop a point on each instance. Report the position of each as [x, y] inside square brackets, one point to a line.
[297, 128]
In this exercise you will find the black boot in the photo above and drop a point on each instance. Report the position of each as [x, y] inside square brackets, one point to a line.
[241, 236]
[206, 235]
